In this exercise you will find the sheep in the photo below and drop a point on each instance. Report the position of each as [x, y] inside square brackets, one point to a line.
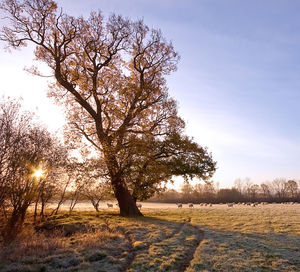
[110, 205]
[230, 204]
[210, 205]
[191, 205]
[253, 204]
[179, 205]
[139, 205]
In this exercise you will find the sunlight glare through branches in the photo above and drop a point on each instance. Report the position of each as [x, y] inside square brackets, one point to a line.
[38, 173]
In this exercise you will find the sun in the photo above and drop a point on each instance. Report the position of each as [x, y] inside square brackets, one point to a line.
[38, 173]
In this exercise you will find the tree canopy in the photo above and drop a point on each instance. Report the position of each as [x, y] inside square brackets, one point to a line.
[111, 78]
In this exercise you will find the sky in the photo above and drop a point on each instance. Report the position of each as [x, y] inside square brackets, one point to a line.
[237, 84]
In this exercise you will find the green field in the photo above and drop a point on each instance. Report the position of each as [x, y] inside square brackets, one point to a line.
[217, 238]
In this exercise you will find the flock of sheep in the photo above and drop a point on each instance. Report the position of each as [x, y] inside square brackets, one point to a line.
[110, 205]
[191, 205]
[252, 204]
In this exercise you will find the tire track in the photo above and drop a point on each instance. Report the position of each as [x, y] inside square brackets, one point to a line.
[191, 253]
[133, 252]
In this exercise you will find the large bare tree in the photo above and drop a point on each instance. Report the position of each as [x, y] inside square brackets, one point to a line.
[110, 76]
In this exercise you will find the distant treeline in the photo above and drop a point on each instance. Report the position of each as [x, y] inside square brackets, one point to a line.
[279, 190]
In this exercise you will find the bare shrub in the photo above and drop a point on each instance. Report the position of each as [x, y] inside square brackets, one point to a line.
[33, 244]
[95, 237]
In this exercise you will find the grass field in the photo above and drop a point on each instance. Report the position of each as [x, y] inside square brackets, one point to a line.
[217, 238]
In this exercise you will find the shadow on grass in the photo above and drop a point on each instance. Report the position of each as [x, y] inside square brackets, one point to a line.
[223, 250]
[105, 241]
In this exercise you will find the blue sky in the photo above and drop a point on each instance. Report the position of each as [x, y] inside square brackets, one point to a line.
[237, 83]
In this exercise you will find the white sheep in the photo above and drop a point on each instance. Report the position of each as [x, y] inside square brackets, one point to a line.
[230, 204]
[179, 205]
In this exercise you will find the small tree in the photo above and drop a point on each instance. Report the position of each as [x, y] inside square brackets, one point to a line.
[17, 187]
[279, 186]
[238, 185]
[51, 179]
[77, 175]
[265, 191]
[8, 138]
[209, 191]
[66, 174]
[291, 188]
[96, 191]
[186, 191]
[198, 191]
[254, 191]
[27, 146]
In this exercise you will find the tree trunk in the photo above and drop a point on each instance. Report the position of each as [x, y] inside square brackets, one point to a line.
[95, 204]
[14, 224]
[55, 211]
[126, 202]
[35, 208]
[43, 204]
[62, 198]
